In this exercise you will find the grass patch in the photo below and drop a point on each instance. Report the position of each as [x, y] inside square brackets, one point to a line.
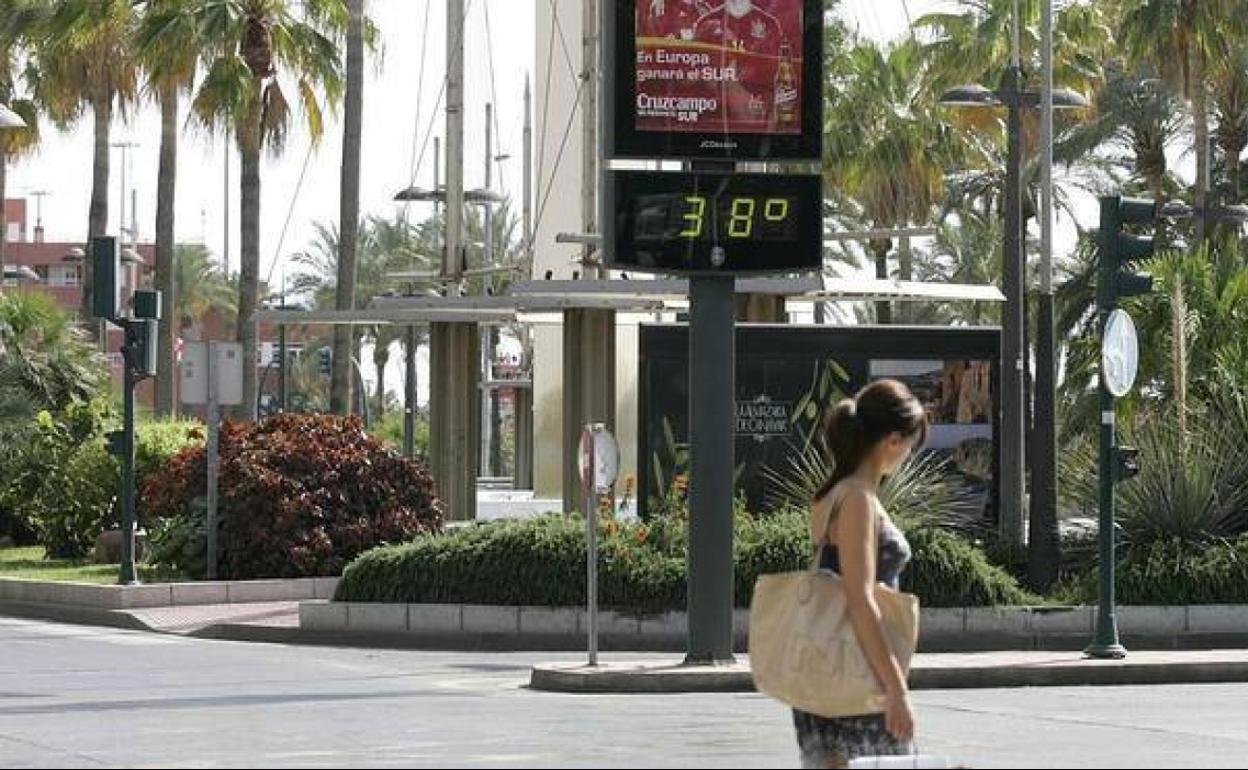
[29, 563]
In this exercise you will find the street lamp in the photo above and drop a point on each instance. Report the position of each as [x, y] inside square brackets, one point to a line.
[416, 194]
[1012, 457]
[10, 119]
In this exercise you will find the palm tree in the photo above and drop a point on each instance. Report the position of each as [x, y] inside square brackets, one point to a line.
[1229, 91]
[45, 363]
[85, 59]
[349, 213]
[1131, 113]
[884, 146]
[974, 46]
[166, 45]
[18, 20]
[965, 252]
[201, 287]
[1180, 38]
[384, 246]
[250, 45]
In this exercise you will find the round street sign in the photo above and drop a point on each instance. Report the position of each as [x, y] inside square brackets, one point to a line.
[1120, 354]
[599, 448]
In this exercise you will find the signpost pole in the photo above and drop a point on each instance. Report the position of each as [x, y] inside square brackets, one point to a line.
[1119, 364]
[591, 537]
[214, 420]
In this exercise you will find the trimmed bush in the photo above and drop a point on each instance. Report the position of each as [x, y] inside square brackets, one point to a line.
[1177, 573]
[947, 571]
[300, 496]
[542, 562]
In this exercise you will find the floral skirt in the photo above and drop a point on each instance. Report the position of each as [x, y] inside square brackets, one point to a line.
[832, 742]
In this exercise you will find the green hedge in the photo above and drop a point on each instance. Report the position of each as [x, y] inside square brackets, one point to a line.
[541, 562]
[1177, 573]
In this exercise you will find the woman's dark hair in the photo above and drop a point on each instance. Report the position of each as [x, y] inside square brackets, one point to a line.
[858, 424]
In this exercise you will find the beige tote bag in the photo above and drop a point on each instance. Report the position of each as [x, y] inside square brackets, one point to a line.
[803, 649]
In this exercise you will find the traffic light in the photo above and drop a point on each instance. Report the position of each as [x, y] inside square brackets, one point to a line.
[105, 277]
[1128, 461]
[1116, 250]
[116, 442]
[141, 351]
[325, 360]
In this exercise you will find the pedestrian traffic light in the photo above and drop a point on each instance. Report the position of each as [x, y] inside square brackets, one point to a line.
[141, 350]
[1128, 461]
[1116, 250]
[116, 442]
[326, 359]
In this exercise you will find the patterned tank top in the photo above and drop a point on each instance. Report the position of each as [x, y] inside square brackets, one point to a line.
[892, 552]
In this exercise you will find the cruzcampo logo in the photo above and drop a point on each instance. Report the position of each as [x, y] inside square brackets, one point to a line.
[763, 418]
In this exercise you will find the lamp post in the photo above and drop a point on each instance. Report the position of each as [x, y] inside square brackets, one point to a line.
[417, 194]
[1012, 456]
[414, 194]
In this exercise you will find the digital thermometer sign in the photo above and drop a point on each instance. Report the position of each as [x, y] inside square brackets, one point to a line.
[714, 222]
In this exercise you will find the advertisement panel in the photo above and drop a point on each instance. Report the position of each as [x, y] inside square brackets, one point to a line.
[721, 79]
[789, 377]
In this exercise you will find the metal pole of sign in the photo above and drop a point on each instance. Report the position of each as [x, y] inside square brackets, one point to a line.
[129, 573]
[712, 411]
[1105, 642]
[591, 536]
[214, 420]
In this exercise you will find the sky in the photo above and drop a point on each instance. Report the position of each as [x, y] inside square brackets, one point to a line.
[392, 89]
[402, 111]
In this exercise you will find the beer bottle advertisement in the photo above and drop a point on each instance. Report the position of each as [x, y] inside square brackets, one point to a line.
[726, 66]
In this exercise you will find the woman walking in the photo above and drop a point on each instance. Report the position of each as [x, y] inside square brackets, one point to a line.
[869, 437]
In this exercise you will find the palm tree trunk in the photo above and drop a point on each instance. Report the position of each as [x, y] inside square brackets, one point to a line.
[349, 205]
[1232, 160]
[381, 357]
[1200, 120]
[496, 414]
[97, 217]
[249, 247]
[4, 221]
[1178, 333]
[166, 186]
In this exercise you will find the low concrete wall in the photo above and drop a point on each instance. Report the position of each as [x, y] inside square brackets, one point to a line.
[941, 629]
[117, 597]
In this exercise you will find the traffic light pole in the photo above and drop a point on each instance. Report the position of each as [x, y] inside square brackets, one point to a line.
[129, 574]
[1105, 642]
[1114, 251]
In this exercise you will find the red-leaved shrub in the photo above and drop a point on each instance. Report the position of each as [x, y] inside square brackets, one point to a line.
[300, 495]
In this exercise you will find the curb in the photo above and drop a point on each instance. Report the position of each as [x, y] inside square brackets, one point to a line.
[956, 629]
[153, 595]
[679, 678]
[64, 613]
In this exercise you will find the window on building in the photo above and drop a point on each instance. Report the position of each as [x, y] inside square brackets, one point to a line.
[64, 275]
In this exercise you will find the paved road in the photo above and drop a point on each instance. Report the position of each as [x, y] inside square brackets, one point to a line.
[74, 696]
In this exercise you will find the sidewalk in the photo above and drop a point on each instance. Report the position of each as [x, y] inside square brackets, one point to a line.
[278, 622]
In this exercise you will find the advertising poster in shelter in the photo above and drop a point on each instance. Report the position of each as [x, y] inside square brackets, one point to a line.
[789, 378]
